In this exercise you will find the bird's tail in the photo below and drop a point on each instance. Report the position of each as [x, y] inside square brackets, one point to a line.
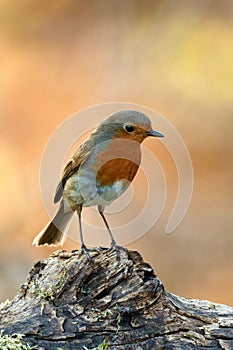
[54, 232]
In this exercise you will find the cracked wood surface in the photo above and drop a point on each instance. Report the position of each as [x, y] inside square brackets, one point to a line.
[73, 302]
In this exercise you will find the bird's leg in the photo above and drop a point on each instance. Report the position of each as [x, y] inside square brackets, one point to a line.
[83, 246]
[113, 242]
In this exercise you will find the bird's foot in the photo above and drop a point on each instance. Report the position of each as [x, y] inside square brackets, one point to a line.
[114, 245]
[84, 248]
[117, 248]
[85, 252]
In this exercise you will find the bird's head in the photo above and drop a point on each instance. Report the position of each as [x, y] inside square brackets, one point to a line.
[127, 124]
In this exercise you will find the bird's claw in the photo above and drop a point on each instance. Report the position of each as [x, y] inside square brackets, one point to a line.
[117, 248]
[85, 252]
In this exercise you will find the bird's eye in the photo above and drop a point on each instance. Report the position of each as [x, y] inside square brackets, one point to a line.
[129, 128]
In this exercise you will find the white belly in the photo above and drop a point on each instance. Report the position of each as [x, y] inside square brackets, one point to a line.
[83, 190]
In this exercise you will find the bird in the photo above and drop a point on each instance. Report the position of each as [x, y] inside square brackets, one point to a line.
[100, 170]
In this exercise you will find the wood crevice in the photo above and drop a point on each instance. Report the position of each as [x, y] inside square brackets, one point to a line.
[72, 302]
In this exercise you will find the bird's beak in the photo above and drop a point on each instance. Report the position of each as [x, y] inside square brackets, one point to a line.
[154, 133]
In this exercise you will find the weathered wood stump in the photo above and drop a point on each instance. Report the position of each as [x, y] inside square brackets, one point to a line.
[72, 301]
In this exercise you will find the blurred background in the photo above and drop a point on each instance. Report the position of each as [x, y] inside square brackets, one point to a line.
[175, 57]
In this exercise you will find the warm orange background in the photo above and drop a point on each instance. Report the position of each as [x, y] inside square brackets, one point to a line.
[175, 57]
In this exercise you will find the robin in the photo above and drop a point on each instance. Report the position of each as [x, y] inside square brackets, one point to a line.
[100, 170]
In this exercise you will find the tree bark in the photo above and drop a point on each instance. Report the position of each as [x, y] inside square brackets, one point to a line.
[111, 297]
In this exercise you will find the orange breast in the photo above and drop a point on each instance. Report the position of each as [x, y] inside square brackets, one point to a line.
[115, 170]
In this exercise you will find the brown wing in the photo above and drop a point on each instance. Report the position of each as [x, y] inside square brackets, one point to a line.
[71, 167]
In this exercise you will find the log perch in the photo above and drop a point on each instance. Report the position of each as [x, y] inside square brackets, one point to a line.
[110, 300]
